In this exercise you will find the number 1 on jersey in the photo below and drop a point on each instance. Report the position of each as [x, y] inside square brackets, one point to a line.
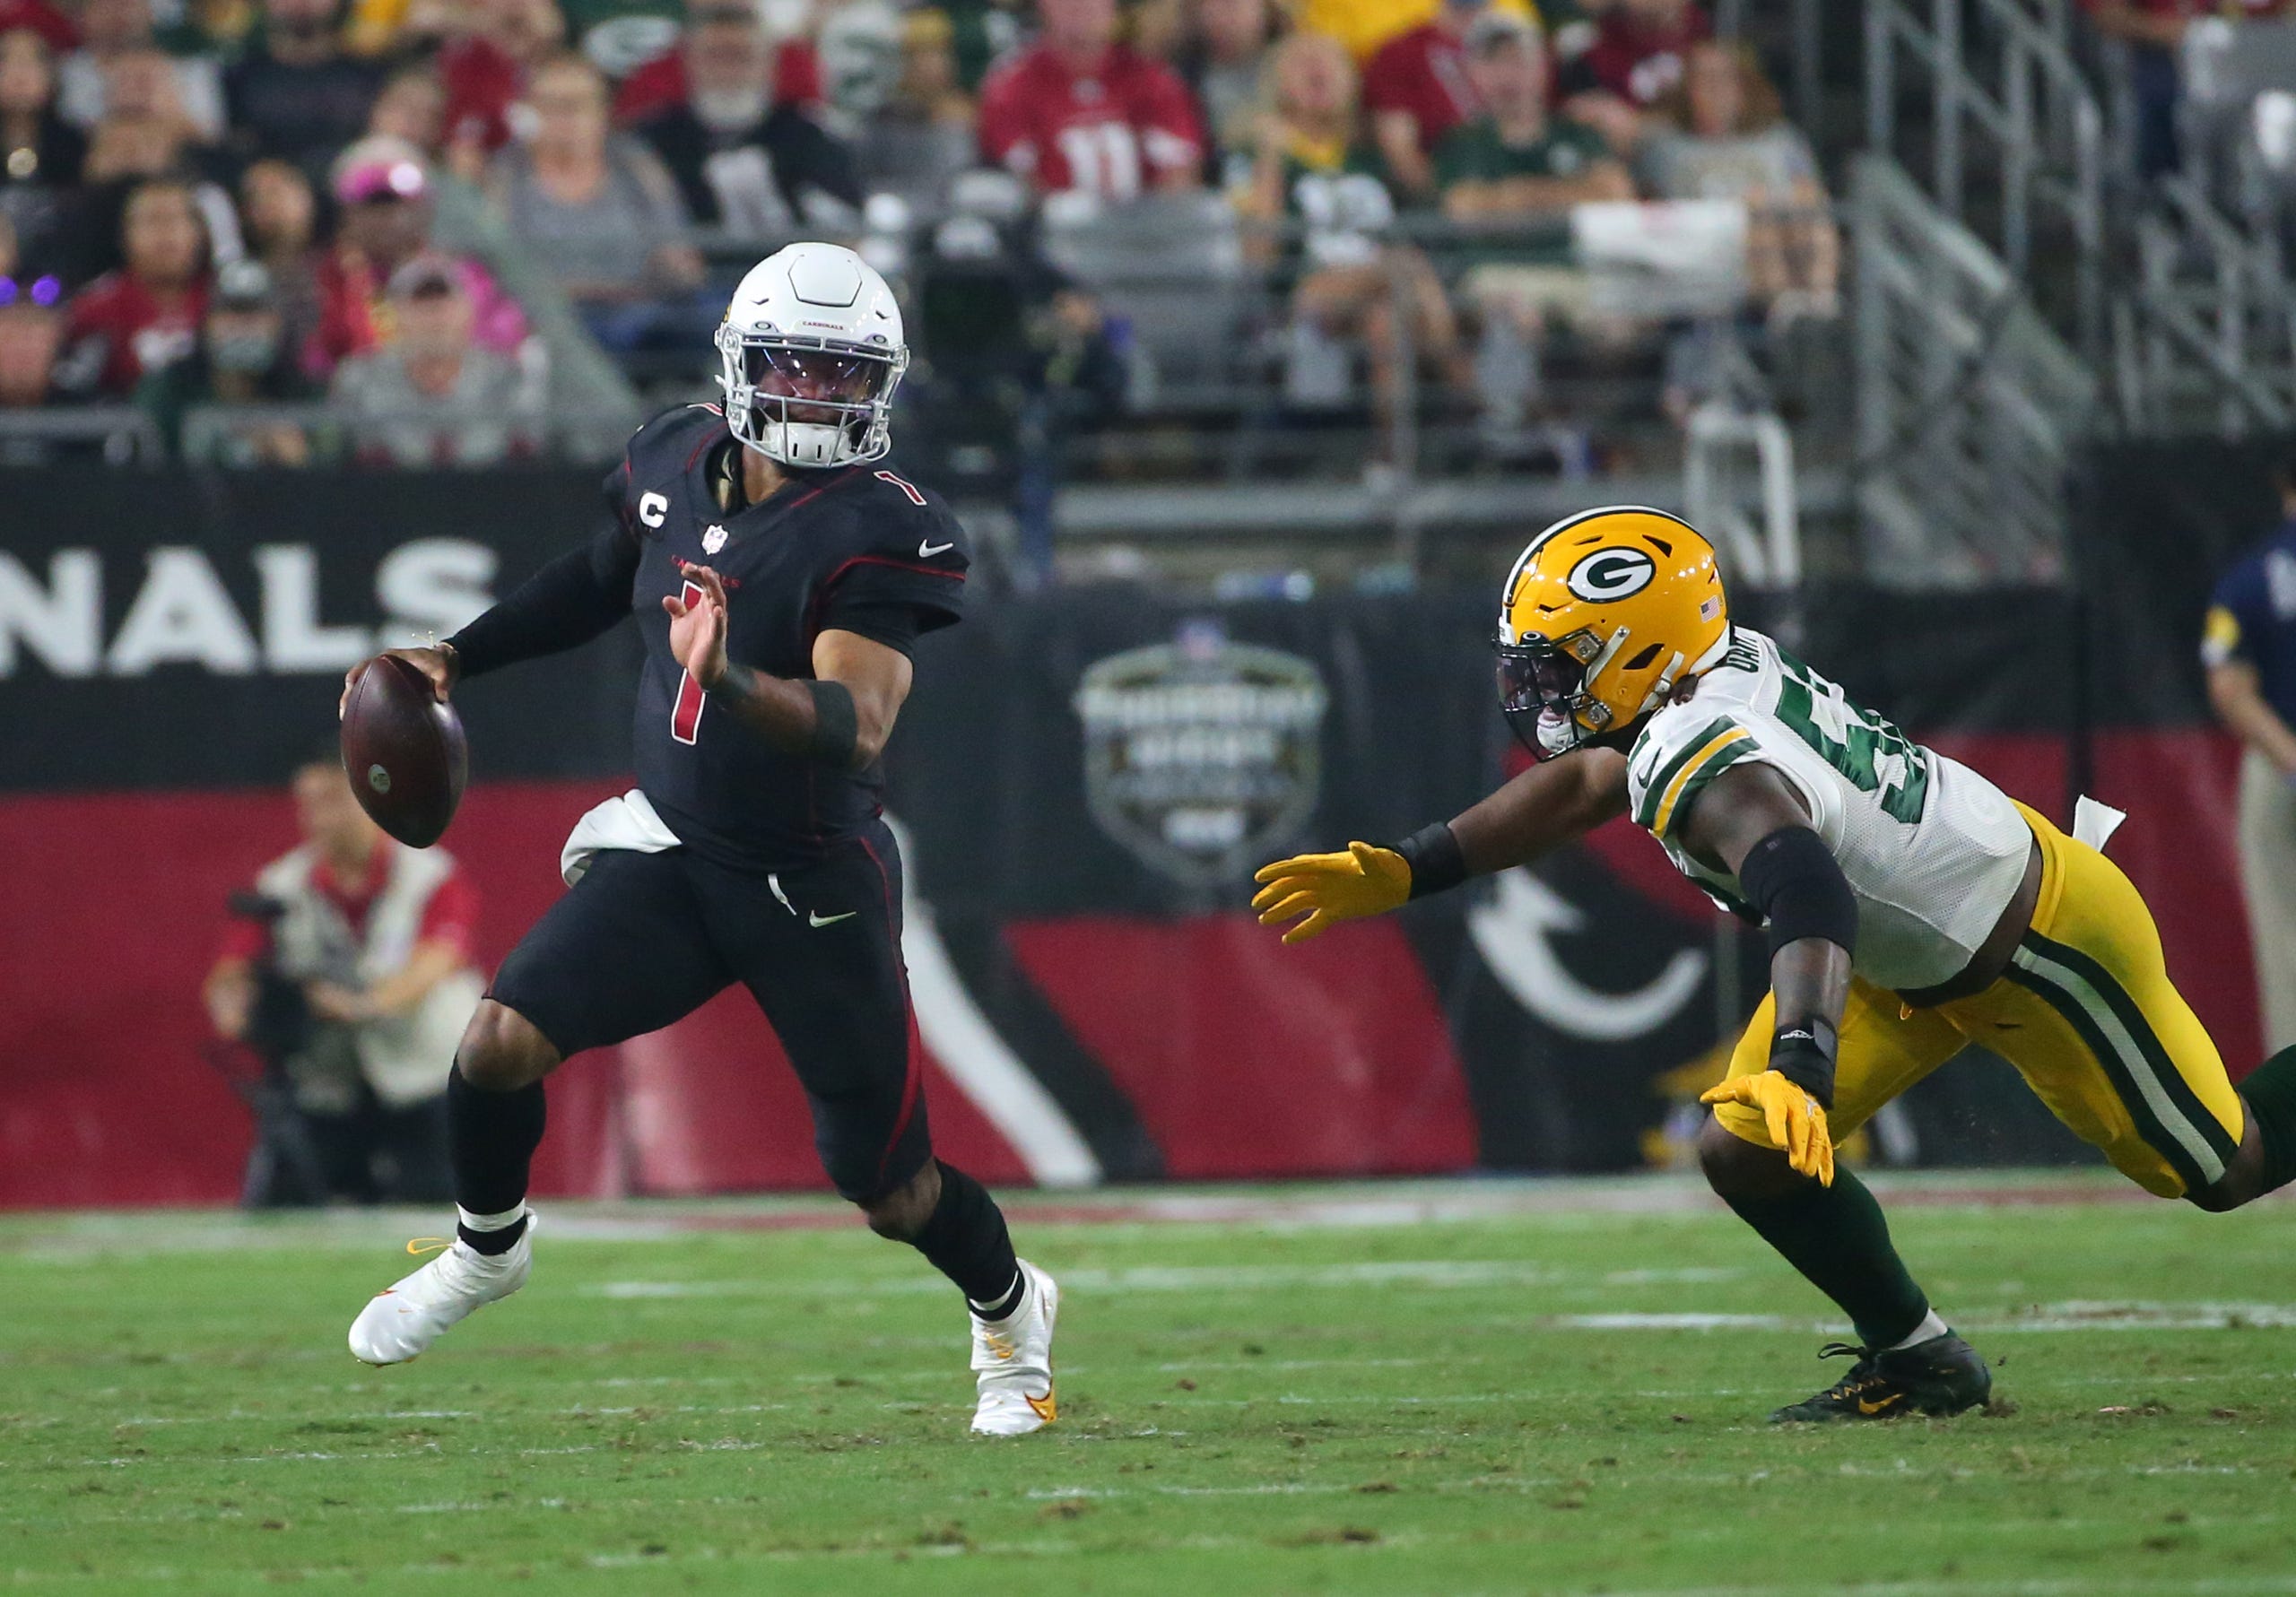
[685, 714]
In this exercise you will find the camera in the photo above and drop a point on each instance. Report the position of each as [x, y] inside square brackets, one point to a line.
[279, 1020]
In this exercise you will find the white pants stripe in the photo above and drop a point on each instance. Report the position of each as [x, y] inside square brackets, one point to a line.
[2070, 983]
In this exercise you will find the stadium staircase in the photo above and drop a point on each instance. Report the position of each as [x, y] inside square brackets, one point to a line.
[2019, 289]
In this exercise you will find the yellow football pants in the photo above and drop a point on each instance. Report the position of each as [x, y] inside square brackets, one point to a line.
[2085, 1011]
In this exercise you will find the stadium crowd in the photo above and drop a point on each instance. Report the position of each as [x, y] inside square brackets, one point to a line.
[433, 213]
[2164, 43]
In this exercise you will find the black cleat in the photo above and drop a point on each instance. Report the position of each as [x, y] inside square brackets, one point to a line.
[1942, 1376]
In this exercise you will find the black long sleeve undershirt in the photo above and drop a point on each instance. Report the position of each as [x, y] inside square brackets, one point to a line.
[565, 604]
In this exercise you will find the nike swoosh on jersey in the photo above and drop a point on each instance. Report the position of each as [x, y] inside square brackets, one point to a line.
[927, 549]
[815, 917]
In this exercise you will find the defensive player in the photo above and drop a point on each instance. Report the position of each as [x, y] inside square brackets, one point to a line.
[1912, 908]
[780, 580]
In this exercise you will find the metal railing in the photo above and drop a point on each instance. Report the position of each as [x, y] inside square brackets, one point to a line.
[2205, 327]
[1755, 522]
[314, 433]
[2006, 99]
[1968, 404]
[2208, 335]
[2173, 291]
[107, 434]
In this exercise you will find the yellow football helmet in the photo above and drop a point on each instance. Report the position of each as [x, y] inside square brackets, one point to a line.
[1602, 615]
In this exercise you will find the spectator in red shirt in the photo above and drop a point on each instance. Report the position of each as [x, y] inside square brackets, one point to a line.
[43, 19]
[375, 940]
[484, 68]
[384, 191]
[1079, 111]
[660, 85]
[147, 314]
[1416, 91]
[1636, 62]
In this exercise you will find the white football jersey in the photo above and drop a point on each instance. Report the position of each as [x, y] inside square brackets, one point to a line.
[1934, 851]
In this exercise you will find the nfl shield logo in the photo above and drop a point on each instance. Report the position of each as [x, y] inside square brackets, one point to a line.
[1199, 754]
[713, 540]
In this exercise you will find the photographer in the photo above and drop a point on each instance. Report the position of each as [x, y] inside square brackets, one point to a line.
[370, 939]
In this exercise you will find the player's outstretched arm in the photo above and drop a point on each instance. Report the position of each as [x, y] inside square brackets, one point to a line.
[1553, 803]
[1751, 823]
[841, 717]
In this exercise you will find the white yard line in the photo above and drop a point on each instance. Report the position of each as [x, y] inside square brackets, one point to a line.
[68, 1240]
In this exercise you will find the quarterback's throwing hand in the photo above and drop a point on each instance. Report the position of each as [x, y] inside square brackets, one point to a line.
[436, 663]
[1319, 889]
[1796, 1121]
[697, 630]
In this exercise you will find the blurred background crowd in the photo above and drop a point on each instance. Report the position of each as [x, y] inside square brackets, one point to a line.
[1161, 238]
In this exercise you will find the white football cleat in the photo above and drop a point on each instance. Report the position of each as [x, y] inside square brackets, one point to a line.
[405, 1317]
[1012, 1358]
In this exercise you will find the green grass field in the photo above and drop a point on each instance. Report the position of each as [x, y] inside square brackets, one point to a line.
[1441, 1388]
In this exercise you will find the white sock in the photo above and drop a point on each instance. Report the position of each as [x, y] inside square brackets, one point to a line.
[491, 1222]
[1931, 1325]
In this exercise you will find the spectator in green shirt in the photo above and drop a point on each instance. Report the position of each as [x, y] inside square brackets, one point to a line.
[1348, 279]
[1516, 162]
[1510, 177]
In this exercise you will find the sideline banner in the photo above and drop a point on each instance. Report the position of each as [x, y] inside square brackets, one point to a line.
[1084, 781]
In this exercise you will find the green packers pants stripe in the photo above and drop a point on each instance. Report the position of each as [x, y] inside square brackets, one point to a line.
[2132, 1059]
[2132, 1016]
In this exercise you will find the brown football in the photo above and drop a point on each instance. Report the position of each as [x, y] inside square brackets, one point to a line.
[403, 751]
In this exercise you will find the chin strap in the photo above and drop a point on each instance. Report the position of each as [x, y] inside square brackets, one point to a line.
[1663, 688]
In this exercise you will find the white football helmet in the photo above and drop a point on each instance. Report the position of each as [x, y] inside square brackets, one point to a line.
[812, 351]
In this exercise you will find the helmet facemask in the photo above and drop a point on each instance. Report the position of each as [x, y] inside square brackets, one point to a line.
[1542, 689]
[808, 401]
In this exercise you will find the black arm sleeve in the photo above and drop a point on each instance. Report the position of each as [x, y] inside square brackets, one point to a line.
[562, 606]
[1797, 885]
[1794, 880]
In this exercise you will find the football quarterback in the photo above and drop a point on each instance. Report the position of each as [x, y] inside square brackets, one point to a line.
[1911, 908]
[780, 574]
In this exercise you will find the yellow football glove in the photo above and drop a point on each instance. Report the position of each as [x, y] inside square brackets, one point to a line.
[1324, 887]
[1796, 1121]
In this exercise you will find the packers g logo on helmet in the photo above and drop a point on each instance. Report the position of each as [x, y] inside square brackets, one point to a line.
[1609, 573]
[1600, 616]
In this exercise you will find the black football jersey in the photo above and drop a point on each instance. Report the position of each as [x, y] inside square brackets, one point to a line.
[857, 548]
